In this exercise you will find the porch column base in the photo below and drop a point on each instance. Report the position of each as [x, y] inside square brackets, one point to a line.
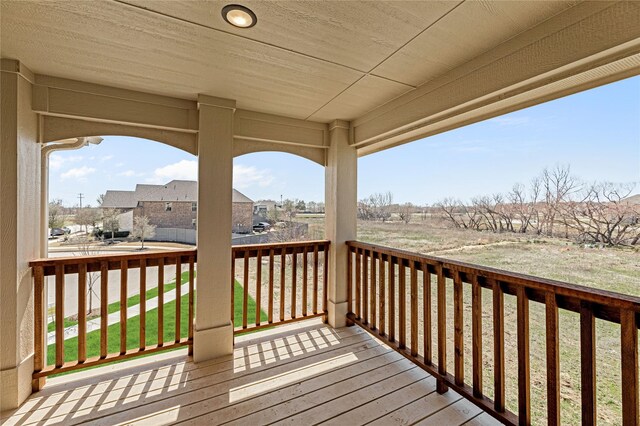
[337, 313]
[16, 384]
[212, 342]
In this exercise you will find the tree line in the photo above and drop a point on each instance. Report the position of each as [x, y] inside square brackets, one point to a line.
[554, 204]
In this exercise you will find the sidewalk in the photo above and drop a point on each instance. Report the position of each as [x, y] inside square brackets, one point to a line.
[114, 317]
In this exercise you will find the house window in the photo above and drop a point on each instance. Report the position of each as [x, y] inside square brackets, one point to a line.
[193, 222]
[194, 207]
[168, 207]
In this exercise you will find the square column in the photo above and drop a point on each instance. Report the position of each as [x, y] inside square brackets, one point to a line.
[341, 182]
[20, 225]
[213, 330]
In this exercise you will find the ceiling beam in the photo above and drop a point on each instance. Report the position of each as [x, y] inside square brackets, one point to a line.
[557, 54]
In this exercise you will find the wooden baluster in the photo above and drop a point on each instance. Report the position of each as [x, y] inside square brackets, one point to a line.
[325, 283]
[402, 305]
[143, 303]
[161, 302]
[498, 346]
[258, 286]
[524, 386]
[305, 272]
[82, 313]
[283, 261]
[178, 297]
[104, 310]
[372, 289]
[458, 325]
[414, 308]
[315, 278]
[441, 386]
[39, 320]
[365, 287]
[271, 272]
[358, 301]
[629, 353]
[294, 279]
[392, 298]
[123, 306]
[245, 291]
[59, 315]
[426, 313]
[476, 335]
[381, 295]
[191, 301]
[349, 281]
[233, 288]
[588, 364]
[553, 360]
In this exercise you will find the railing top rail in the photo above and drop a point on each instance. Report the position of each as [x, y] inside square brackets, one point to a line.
[75, 260]
[587, 294]
[250, 247]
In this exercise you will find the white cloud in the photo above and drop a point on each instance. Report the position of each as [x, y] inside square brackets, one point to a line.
[106, 158]
[183, 170]
[56, 161]
[246, 176]
[243, 176]
[120, 164]
[130, 173]
[77, 173]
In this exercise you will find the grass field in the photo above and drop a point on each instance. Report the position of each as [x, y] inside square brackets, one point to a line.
[133, 326]
[612, 269]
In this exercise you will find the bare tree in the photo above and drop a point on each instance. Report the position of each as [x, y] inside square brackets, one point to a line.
[110, 221]
[88, 247]
[56, 214]
[100, 200]
[602, 215]
[405, 211]
[558, 185]
[142, 230]
[376, 207]
[87, 216]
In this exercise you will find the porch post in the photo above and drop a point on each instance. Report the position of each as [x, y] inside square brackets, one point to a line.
[20, 225]
[213, 334]
[340, 215]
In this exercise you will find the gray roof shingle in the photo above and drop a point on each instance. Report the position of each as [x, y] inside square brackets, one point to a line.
[176, 190]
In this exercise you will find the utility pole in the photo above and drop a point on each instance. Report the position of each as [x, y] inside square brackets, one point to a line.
[81, 196]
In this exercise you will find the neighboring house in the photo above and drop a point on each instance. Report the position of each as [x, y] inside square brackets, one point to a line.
[173, 205]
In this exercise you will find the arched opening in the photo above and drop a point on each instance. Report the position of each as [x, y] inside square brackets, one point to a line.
[288, 194]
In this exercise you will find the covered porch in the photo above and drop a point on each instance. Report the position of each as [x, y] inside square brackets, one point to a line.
[302, 373]
[330, 83]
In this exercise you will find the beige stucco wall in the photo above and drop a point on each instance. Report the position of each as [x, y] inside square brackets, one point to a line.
[19, 224]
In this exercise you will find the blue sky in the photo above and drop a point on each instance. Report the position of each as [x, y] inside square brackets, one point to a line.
[597, 132]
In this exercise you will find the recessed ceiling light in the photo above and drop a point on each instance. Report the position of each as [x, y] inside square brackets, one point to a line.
[239, 16]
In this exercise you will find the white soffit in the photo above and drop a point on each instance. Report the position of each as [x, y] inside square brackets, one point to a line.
[312, 60]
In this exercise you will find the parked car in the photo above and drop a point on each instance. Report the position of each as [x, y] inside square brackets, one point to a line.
[57, 232]
[261, 226]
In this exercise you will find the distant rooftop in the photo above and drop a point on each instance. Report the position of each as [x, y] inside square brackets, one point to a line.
[176, 190]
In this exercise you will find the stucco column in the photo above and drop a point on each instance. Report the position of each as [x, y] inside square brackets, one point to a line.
[20, 229]
[213, 335]
[340, 215]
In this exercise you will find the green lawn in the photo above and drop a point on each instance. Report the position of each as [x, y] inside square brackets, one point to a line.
[131, 301]
[133, 327]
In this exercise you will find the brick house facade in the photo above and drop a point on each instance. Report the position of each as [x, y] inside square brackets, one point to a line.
[174, 205]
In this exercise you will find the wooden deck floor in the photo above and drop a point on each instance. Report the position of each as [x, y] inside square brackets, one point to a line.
[304, 374]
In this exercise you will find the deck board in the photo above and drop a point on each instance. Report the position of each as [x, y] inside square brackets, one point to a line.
[303, 373]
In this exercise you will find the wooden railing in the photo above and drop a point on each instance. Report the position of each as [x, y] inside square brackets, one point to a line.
[379, 298]
[289, 283]
[82, 266]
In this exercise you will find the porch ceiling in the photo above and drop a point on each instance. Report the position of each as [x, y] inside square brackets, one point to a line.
[312, 60]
